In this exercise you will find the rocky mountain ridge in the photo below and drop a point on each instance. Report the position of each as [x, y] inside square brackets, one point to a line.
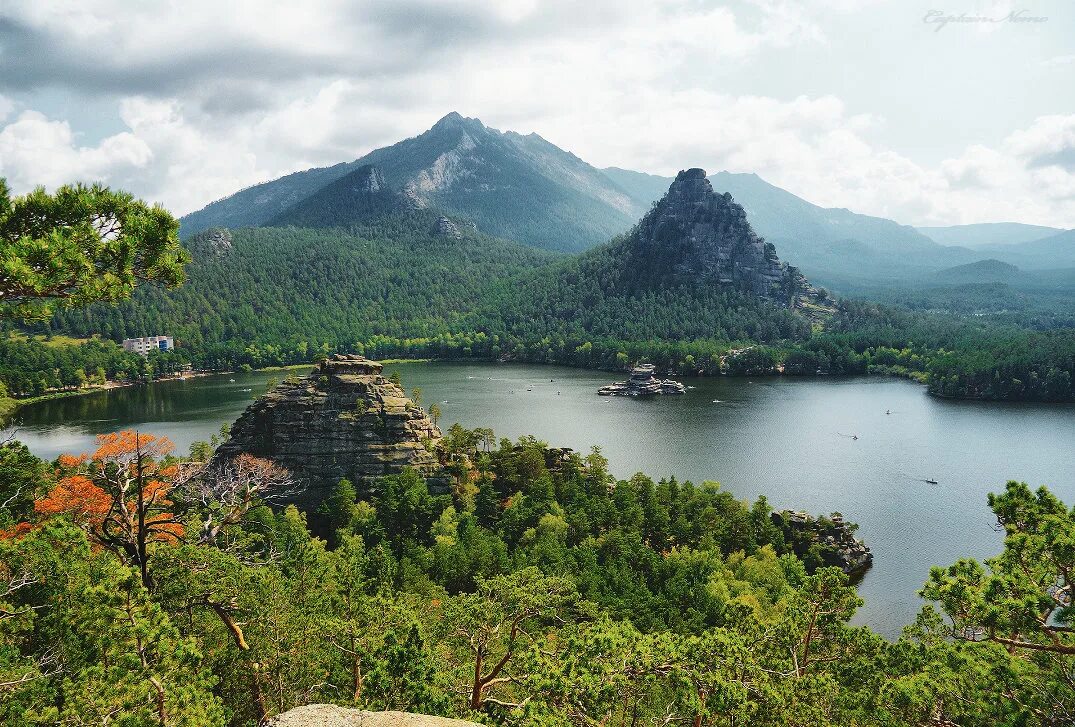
[516, 186]
[695, 233]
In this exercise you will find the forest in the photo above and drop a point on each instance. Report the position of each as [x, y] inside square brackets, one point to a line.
[151, 589]
[395, 290]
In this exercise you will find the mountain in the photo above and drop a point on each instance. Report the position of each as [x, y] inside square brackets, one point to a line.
[355, 198]
[646, 188]
[1048, 253]
[982, 271]
[515, 186]
[286, 292]
[691, 270]
[694, 234]
[830, 244]
[523, 188]
[258, 204]
[987, 233]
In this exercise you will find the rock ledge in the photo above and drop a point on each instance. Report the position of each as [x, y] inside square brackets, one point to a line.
[330, 715]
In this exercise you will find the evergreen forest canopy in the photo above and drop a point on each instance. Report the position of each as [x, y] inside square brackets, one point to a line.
[141, 588]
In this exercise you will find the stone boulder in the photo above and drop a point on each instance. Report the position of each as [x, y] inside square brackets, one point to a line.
[329, 715]
[344, 420]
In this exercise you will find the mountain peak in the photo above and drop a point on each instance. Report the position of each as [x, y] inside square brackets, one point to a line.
[455, 120]
[695, 234]
[689, 174]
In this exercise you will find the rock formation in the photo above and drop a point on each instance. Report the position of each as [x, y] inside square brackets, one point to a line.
[694, 233]
[368, 179]
[329, 715]
[833, 534]
[214, 242]
[642, 382]
[447, 228]
[344, 420]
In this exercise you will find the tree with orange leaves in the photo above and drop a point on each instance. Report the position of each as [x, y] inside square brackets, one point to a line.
[120, 496]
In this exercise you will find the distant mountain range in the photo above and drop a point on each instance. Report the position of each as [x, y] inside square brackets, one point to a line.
[523, 188]
[988, 234]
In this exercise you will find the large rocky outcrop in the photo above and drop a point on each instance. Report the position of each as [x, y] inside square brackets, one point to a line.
[329, 715]
[694, 233]
[344, 420]
[835, 537]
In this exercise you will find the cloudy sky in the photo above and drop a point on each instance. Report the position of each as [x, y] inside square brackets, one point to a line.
[879, 107]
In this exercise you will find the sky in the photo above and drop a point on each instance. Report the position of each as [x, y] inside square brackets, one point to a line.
[930, 113]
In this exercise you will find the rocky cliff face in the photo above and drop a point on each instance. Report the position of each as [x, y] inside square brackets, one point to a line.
[694, 233]
[214, 242]
[344, 420]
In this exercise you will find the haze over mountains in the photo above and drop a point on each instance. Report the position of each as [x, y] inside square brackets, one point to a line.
[524, 188]
[362, 266]
[988, 233]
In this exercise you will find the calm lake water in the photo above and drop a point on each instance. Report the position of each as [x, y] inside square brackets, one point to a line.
[788, 439]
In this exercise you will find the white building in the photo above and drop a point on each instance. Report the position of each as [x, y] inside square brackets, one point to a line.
[148, 343]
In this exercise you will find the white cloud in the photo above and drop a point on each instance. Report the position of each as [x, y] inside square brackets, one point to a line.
[214, 102]
[35, 150]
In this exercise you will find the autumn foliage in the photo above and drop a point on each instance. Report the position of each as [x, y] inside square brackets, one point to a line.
[119, 494]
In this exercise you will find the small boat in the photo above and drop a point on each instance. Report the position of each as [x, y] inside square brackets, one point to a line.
[529, 388]
[855, 437]
[931, 482]
[888, 411]
[232, 380]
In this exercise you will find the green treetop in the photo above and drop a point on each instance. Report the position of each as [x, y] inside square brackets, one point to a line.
[79, 245]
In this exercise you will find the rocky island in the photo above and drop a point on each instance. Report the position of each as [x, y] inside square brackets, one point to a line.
[642, 383]
[344, 420]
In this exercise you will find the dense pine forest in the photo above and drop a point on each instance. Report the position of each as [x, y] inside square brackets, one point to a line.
[537, 590]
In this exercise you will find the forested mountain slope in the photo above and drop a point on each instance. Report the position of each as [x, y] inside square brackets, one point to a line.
[303, 289]
[691, 269]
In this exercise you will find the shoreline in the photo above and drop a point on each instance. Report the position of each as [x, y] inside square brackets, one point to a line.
[10, 405]
[107, 386]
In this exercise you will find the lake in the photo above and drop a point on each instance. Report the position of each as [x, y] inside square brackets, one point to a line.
[789, 439]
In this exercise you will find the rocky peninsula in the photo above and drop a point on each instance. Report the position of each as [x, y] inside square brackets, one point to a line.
[831, 538]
